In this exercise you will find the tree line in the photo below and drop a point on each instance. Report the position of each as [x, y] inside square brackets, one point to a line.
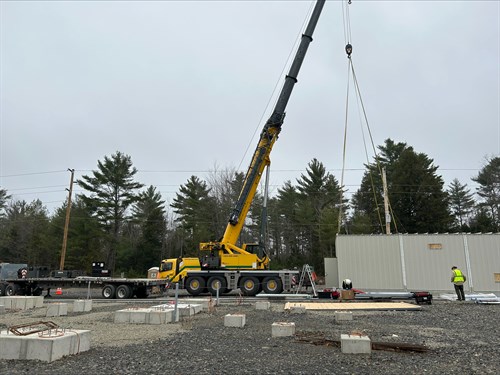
[129, 226]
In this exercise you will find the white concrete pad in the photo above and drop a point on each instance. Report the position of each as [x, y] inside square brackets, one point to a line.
[82, 305]
[262, 305]
[46, 346]
[21, 302]
[355, 344]
[235, 320]
[206, 303]
[57, 309]
[283, 329]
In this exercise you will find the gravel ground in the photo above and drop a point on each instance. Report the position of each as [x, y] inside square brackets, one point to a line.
[460, 336]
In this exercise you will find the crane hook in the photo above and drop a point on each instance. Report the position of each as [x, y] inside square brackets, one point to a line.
[349, 2]
[348, 50]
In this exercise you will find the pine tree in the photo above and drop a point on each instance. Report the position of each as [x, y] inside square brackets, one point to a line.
[461, 204]
[112, 191]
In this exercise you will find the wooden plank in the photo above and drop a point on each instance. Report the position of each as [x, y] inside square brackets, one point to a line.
[353, 306]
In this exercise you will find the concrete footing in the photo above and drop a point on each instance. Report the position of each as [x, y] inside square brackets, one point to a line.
[343, 316]
[283, 329]
[21, 302]
[144, 316]
[234, 320]
[57, 309]
[82, 305]
[159, 314]
[262, 305]
[45, 346]
[206, 303]
[355, 344]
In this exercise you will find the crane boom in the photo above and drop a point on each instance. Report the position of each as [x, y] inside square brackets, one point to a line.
[260, 158]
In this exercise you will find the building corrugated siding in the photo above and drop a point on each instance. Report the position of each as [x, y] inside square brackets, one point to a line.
[418, 261]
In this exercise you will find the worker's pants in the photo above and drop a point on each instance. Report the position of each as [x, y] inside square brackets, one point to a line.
[460, 292]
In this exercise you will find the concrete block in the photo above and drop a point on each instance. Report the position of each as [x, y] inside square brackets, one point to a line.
[188, 309]
[122, 316]
[139, 316]
[355, 344]
[298, 310]
[57, 309]
[283, 329]
[82, 305]
[206, 303]
[160, 316]
[262, 305]
[46, 346]
[2, 309]
[234, 320]
[6, 302]
[38, 301]
[342, 316]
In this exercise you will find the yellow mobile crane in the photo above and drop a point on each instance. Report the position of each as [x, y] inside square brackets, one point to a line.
[224, 265]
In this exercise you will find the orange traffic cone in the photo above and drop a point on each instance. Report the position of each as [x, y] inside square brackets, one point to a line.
[59, 291]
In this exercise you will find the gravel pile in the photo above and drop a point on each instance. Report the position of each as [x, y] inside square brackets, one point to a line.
[460, 337]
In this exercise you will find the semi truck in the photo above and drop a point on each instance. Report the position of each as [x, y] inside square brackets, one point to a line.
[224, 265]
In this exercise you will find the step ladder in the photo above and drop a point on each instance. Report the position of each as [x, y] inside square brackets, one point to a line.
[307, 274]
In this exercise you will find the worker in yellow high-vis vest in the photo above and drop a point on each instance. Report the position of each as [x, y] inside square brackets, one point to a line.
[458, 280]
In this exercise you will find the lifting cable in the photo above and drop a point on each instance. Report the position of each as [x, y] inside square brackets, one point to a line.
[348, 50]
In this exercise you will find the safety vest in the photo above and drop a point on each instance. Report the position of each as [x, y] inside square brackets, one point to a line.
[459, 277]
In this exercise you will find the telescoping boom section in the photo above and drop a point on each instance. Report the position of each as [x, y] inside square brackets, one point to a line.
[251, 256]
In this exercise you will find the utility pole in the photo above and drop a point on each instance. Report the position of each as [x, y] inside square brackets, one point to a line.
[66, 223]
[386, 204]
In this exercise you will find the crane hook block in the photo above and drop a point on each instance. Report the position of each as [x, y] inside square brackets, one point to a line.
[348, 50]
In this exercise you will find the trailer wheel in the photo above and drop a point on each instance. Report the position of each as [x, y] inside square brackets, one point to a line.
[12, 290]
[123, 292]
[2, 290]
[249, 286]
[195, 285]
[214, 283]
[108, 291]
[272, 285]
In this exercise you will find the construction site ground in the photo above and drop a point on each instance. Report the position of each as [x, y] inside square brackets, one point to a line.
[457, 336]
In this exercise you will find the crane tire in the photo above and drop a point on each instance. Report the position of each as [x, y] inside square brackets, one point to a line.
[195, 285]
[249, 286]
[272, 285]
[214, 283]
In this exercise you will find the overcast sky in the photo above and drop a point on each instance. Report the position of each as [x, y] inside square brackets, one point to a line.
[183, 86]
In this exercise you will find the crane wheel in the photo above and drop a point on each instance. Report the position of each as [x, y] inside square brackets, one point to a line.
[195, 285]
[249, 286]
[272, 285]
[216, 283]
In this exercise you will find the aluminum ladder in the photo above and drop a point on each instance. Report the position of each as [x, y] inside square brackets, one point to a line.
[307, 272]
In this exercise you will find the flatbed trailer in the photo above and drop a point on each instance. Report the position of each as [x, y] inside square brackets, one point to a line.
[119, 288]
